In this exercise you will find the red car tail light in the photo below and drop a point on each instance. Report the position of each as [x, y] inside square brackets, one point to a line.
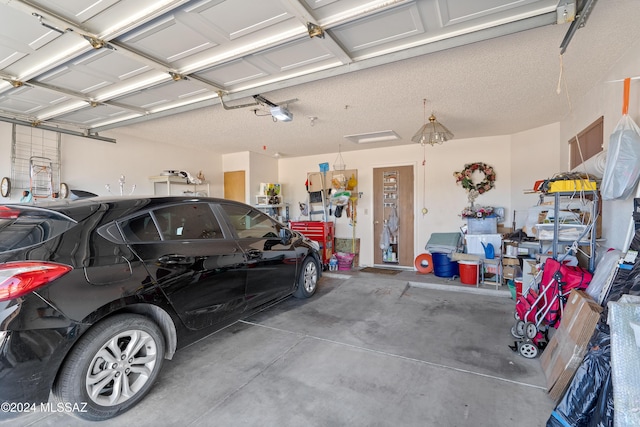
[21, 277]
[8, 213]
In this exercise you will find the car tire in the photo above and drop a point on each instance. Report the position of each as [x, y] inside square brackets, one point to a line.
[308, 280]
[111, 368]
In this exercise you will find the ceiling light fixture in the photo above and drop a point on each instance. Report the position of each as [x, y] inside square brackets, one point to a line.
[432, 132]
[315, 30]
[372, 137]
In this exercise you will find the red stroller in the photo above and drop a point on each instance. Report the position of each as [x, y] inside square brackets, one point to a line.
[536, 311]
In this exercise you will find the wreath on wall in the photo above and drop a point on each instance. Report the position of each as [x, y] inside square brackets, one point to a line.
[465, 176]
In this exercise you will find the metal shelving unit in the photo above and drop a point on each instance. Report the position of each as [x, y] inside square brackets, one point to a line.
[171, 185]
[586, 238]
[275, 210]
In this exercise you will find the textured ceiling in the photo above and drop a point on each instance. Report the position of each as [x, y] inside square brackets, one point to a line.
[371, 72]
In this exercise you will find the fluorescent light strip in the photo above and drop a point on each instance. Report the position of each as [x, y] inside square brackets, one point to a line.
[133, 87]
[369, 137]
[67, 108]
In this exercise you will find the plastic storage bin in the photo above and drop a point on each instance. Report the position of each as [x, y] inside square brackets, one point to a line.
[475, 241]
[487, 225]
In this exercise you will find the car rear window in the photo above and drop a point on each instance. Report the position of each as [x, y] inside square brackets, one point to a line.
[140, 229]
[185, 221]
[22, 227]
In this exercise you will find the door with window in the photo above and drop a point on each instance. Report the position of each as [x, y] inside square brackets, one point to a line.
[201, 270]
[271, 263]
[393, 208]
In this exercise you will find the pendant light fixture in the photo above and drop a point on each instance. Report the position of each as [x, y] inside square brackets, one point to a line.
[432, 132]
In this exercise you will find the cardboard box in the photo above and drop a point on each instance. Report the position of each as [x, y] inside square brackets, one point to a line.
[508, 272]
[504, 230]
[510, 268]
[564, 353]
[530, 274]
[530, 266]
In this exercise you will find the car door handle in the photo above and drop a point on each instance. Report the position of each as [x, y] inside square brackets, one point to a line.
[254, 253]
[176, 259]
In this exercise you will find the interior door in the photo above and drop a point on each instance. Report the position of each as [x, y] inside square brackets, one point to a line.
[393, 188]
[234, 186]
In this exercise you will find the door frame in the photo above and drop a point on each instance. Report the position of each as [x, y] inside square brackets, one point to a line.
[371, 248]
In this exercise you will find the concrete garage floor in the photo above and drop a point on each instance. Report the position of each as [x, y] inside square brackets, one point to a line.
[366, 350]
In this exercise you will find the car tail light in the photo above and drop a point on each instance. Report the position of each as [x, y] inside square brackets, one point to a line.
[8, 213]
[21, 277]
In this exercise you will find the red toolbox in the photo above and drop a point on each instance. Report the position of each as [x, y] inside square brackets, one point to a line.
[321, 232]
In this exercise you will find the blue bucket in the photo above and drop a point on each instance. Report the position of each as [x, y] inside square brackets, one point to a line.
[443, 266]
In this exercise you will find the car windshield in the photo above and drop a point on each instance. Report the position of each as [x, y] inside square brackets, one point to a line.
[24, 227]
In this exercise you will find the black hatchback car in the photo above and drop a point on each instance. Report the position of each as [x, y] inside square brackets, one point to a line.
[95, 293]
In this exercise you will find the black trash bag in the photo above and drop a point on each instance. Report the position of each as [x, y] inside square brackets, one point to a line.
[603, 413]
[625, 282]
[635, 242]
[577, 406]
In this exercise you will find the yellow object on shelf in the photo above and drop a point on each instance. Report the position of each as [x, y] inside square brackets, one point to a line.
[569, 185]
[351, 184]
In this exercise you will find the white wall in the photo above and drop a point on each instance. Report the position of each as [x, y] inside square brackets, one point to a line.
[89, 165]
[257, 167]
[535, 155]
[264, 168]
[443, 198]
[605, 99]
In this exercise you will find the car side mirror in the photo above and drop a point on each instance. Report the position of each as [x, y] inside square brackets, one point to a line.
[285, 236]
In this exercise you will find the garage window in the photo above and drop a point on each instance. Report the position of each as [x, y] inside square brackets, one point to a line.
[588, 143]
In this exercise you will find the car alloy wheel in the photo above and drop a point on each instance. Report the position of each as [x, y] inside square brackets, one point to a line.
[308, 279]
[121, 368]
[112, 367]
